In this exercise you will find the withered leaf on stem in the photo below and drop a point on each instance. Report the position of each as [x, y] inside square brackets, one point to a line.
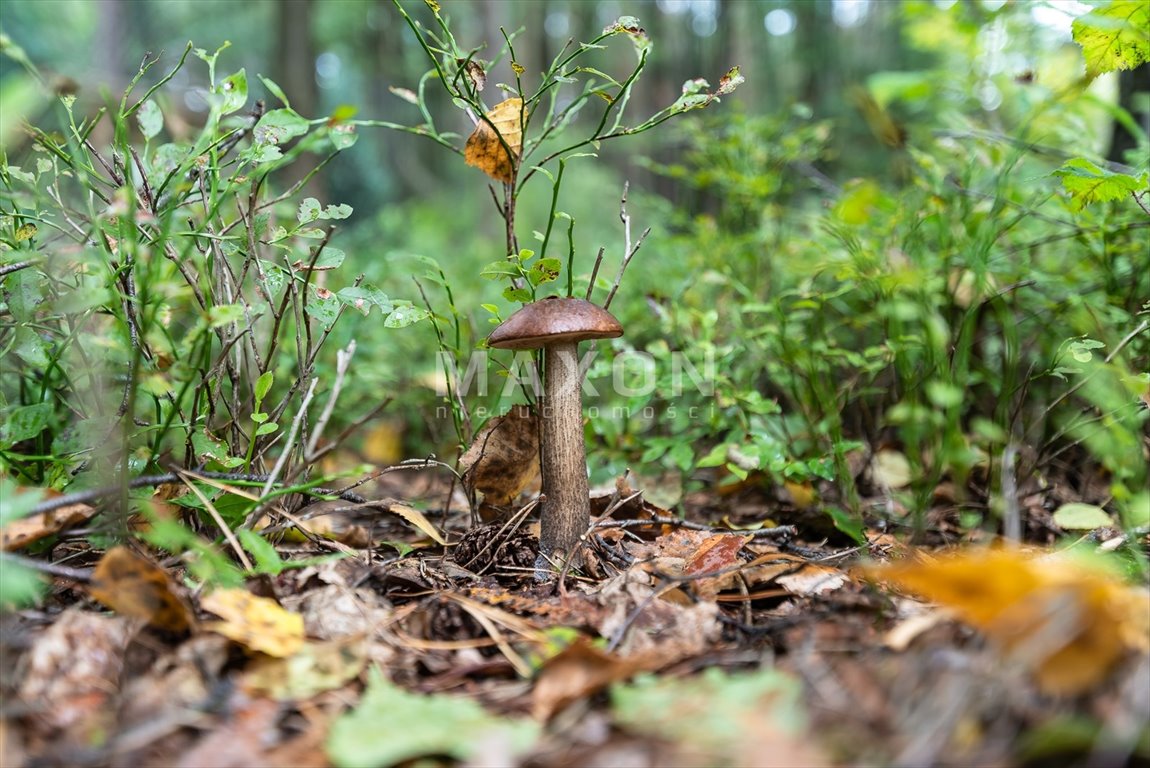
[484, 150]
[504, 457]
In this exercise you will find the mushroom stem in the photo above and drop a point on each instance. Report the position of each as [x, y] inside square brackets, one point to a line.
[567, 509]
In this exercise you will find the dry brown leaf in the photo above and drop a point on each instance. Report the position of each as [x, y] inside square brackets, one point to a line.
[484, 150]
[578, 671]
[134, 586]
[417, 518]
[1068, 622]
[28, 530]
[504, 457]
[258, 623]
[72, 672]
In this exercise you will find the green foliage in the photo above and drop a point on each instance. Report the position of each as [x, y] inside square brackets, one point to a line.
[952, 310]
[569, 86]
[168, 300]
[392, 726]
[1114, 36]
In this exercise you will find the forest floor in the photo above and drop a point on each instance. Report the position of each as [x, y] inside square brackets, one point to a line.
[746, 633]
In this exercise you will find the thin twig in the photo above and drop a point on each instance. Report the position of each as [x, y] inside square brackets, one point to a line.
[223, 526]
[343, 360]
[595, 272]
[283, 458]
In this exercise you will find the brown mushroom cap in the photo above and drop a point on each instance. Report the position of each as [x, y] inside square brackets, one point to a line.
[554, 319]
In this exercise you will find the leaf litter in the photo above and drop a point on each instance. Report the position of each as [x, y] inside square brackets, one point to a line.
[718, 638]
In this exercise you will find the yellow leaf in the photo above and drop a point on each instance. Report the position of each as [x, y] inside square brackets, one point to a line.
[255, 622]
[318, 667]
[1067, 622]
[416, 518]
[484, 150]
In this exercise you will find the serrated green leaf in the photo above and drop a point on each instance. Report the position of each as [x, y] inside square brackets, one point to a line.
[1087, 183]
[364, 297]
[1115, 36]
[150, 118]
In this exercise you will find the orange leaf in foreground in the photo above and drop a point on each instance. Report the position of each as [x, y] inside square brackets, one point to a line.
[1068, 622]
[134, 586]
[486, 152]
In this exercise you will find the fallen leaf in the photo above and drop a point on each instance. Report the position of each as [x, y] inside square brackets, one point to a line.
[392, 726]
[71, 674]
[20, 533]
[258, 623]
[578, 671]
[134, 586]
[890, 469]
[1068, 622]
[812, 580]
[417, 518]
[721, 719]
[504, 457]
[315, 668]
[1081, 517]
[484, 149]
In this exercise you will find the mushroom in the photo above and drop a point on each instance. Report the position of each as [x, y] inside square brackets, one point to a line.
[557, 325]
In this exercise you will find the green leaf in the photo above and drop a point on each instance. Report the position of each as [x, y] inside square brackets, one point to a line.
[263, 386]
[20, 586]
[405, 315]
[721, 708]
[544, 271]
[308, 210]
[223, 314]
[343, 136]
[23, 422]
[517, 294]
[364, 297]
[500, 269]
[1087, 183]
[422, 725]
[1081, 517]
[1115, 36]
[267, 559]
[279, 126]
[341, 211]
[266, 428]
[274, 89]
[848, 524]
[150, 118]
[233, 92]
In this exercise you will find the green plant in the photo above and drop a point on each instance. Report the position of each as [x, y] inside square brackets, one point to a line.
[167, 307]
[946, 312]
[523, 138]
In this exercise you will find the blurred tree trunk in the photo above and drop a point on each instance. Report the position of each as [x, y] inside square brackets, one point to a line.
[294, 71]
[1130, 82]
